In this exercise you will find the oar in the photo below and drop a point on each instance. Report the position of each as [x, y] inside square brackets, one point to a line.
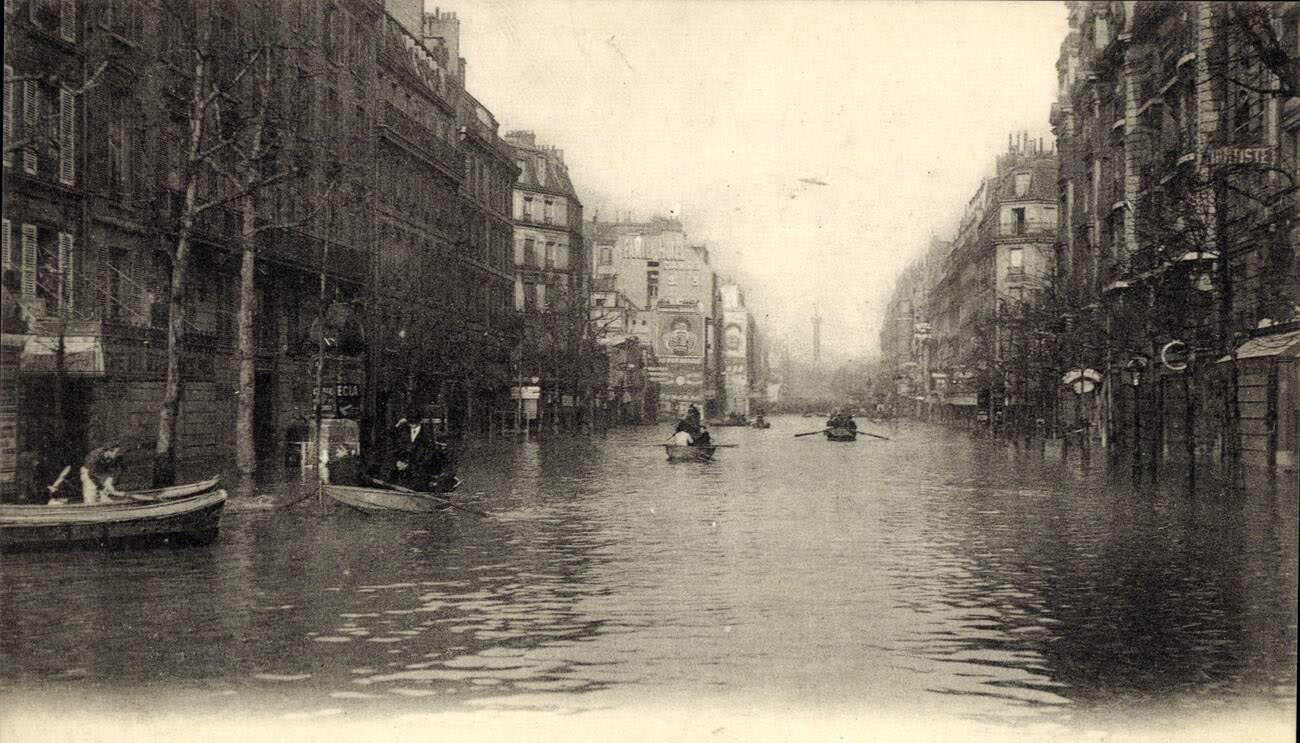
[448, 500]
[868, 433]
[810, 433]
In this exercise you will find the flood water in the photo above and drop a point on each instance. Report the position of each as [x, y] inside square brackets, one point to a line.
[932, 576]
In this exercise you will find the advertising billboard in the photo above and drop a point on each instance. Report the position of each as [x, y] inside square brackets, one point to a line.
[680, 338]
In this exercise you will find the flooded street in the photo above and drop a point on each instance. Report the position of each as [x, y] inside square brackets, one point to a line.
[934, 575]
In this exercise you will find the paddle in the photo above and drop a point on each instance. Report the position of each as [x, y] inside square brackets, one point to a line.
[706, 446]
[811, 433]
[434, 496]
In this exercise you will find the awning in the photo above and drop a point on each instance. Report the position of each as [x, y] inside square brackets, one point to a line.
[1281, 345]
[82, 355]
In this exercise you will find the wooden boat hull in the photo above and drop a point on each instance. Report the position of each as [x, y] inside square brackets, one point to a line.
[679, 453]
[380, 499]
[841, 434]
[184, 519]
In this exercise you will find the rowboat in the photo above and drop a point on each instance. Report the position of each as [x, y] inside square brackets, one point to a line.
[182, 514]
[841, 434]
[387, 499]
[686, 453]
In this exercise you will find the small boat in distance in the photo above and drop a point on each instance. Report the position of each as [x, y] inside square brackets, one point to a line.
[681, 453]
[188, 514]
[841, 434]
[379, 498]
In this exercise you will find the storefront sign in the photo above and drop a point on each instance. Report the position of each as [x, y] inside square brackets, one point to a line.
[82, 355]
[1218, 156]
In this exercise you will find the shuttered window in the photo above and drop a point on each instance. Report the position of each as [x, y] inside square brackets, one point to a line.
[67, 137]
[9, 118]
[68, 20]
[29, 261]
[7, 257]
[31, 103]
[68, 277]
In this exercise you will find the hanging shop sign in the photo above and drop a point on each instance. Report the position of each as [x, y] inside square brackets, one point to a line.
[1082, 380]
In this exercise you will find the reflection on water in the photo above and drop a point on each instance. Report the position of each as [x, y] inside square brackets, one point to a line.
[928, 574]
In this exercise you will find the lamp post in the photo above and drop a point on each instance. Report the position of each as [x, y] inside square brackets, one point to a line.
[1133, 370]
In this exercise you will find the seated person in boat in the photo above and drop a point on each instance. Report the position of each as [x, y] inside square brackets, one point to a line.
[702, 438]
[101, 467]
[422, 460]
[693, 417]
[690, 428]
[840, 419]
[344, 467]
[682, 437]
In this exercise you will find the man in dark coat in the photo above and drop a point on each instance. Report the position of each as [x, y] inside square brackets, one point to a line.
[421, 458]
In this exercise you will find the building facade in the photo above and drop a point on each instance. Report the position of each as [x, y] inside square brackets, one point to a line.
[378, 227]
[999, 265]
[551, 284]
[1177, 126]
[651, 284]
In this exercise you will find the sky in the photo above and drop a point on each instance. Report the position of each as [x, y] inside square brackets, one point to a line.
[815, 147]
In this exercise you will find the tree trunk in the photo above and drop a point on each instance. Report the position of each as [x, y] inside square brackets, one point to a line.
[164, 465]
[245, 451]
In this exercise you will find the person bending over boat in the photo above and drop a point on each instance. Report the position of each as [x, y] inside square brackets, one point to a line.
[682, 437]
[101, 467]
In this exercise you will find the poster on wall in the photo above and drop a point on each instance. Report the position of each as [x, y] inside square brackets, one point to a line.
[681, 338]
[733, 339]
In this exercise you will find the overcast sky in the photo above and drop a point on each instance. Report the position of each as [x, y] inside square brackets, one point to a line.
[716, 110]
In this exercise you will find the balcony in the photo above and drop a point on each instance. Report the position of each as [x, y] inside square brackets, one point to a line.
[415, 135]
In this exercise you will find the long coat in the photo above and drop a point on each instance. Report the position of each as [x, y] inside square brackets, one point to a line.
[425, 458]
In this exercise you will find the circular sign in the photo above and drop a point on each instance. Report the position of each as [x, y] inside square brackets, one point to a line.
[1174, 355]
[681, 381]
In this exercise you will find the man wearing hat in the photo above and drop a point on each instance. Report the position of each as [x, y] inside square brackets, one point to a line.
[421, 458]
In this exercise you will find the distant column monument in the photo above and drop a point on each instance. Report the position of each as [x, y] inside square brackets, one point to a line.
[817, 336]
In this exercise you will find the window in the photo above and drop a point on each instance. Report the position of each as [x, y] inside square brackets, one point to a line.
[31, 104]
[1016, 260]
[9, 116]
[530, 252]
[528, 208]
[67, 137]
[550, 254]
[547, 211]
[1022, 184]
[606, 256]
[56, 17]
[1018, 216]
[651, 287]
